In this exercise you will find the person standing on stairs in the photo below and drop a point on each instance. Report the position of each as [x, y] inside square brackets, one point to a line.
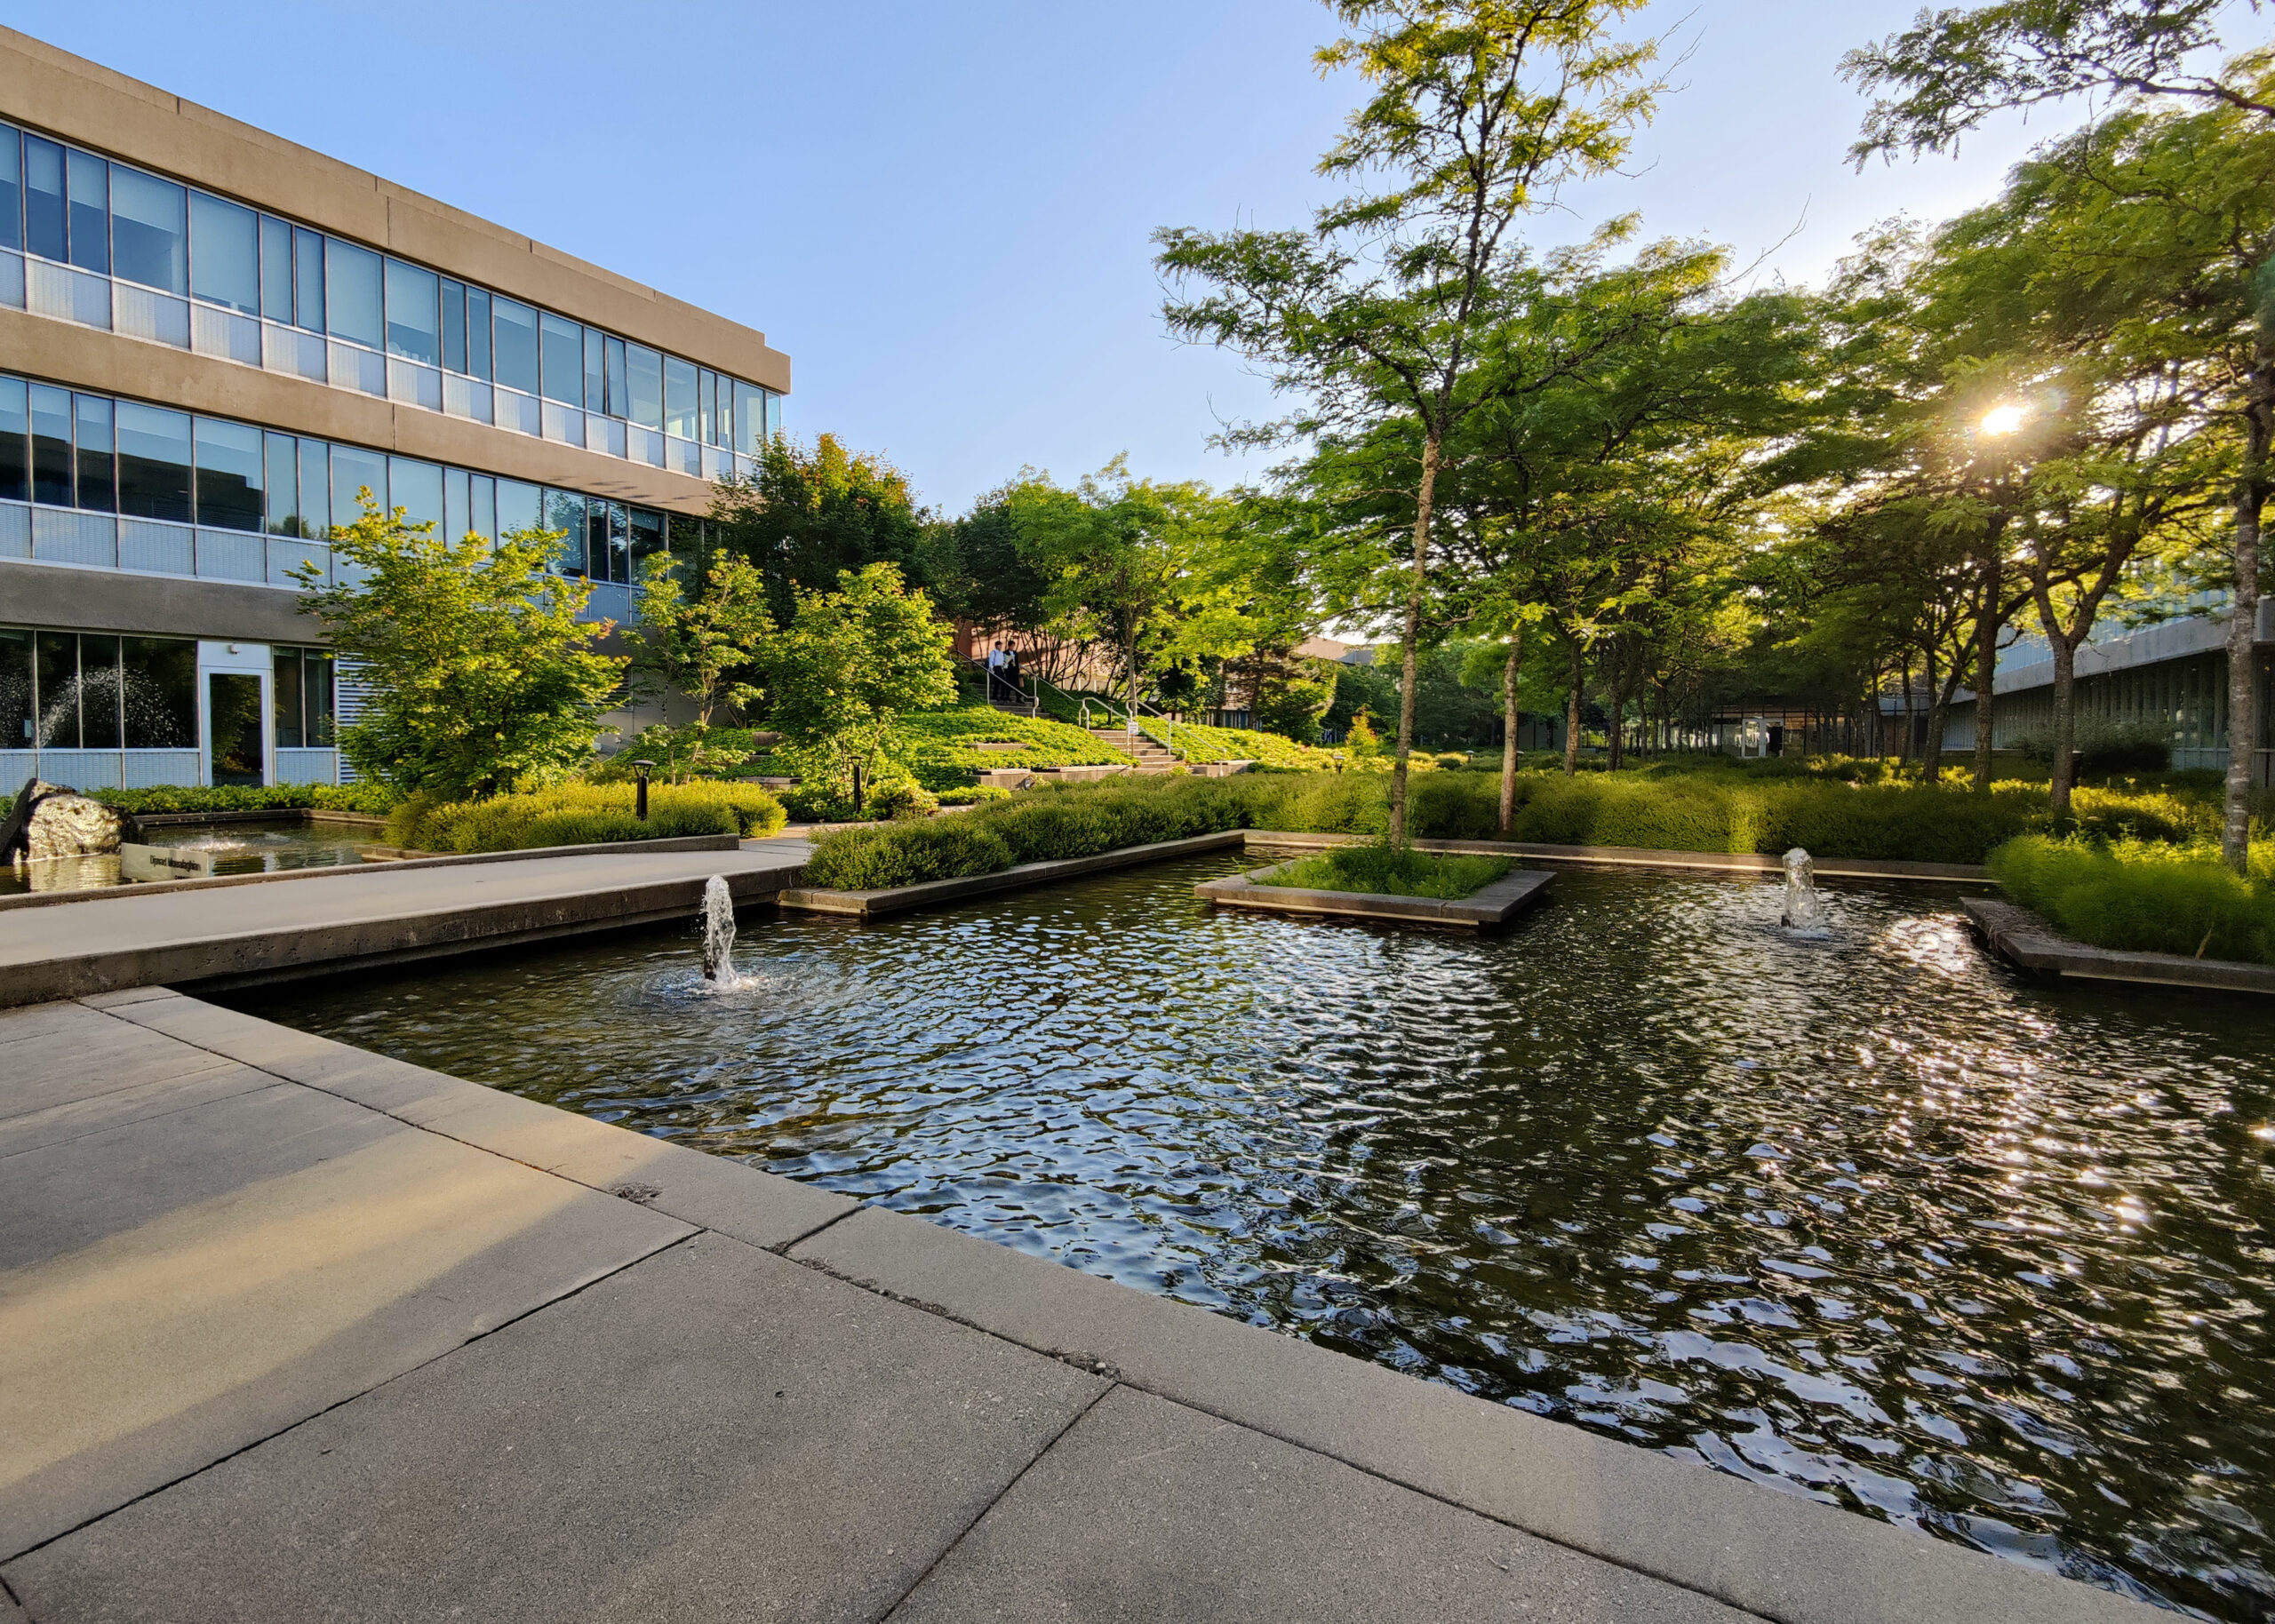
[996, 672]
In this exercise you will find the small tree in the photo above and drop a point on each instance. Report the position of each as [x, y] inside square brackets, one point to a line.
[848, 664]
[482, 676]
[698, 647]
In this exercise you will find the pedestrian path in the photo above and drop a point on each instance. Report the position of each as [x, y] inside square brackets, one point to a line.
[366, 914]
[291, 1330]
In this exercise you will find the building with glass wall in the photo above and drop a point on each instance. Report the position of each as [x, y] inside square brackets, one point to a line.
[211, 340]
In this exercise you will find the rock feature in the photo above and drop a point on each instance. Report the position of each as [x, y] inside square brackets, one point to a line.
[48, 820]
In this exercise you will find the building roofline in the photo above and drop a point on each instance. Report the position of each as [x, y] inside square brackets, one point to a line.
[107, 111]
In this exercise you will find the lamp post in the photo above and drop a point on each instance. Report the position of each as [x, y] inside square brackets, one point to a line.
[640, 791]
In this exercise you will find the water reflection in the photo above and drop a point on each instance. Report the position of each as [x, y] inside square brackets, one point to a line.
[1865, 1218]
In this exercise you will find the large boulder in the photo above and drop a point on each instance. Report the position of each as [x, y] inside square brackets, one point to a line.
[48, 820]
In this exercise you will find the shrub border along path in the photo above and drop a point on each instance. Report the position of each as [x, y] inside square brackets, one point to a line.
[2022, 937]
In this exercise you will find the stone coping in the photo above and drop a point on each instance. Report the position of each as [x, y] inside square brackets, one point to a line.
[2022, 937]
[153, 888]
[267, 814]
[1481, 910]
[1644, 857]
[902, 899]
[1776, 1555]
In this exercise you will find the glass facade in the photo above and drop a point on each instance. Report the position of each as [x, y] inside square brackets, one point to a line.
[303, 698]
[193, 249]
[79, 690]
[63, 448]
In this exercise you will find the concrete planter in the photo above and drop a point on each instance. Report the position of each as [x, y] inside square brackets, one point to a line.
[1484, 909]
[2022, 937]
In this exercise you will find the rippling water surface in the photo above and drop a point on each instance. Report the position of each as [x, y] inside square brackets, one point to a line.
[1869, 1220]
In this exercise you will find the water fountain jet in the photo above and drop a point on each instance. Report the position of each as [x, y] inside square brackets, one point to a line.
[1803, 913]
[719, 933]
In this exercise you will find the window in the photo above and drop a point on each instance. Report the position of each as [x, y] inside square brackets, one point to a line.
[92, 425]
[596, 549]
[225, 253]
[595, 372]
[303, 698]
[316, 490]
[12, 217]
[98, 693]
[17, 709]
[707, 414]
[647, 528]
[477, 332]
[454, 325]
[680, 416]
[351, 288]
[280, 513]
[90, 187]
[149, 230]
[750, 418]
[644, 385]
[308, 279]
[45, 212]
[229, 476]
[564, 511]
[417, 488]
[286, 690]
[159, 690]
[521, 508]
[516, 345]
[50, 414]
[15, 456]
[57, 661]
[482, 508]
[616, 379]
[276, 269]
[353, 471]
[564, 360]
[154, 461]
[413, 329]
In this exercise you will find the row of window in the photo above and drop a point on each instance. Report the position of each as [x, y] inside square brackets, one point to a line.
[69, 449]
[79, 690]
[77, 209]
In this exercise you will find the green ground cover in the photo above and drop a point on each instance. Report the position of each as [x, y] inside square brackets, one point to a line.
[941, 748]
[583, 814]
[372, 800]
[1378, 871]
[1192, 742]
[2154, 896]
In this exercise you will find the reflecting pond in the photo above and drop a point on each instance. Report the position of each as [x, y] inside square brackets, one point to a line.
[250, 846]
[1868, 1219]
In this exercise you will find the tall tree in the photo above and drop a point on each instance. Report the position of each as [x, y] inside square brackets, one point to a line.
[811, 513]
[1479, 110]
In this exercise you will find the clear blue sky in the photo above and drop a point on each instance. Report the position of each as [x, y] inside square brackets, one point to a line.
[941, 211]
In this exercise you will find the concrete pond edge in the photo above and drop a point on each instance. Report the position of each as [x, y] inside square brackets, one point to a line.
[2023, 938]
[1778, 1555]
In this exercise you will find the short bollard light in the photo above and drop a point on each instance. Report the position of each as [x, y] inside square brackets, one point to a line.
[640, 794]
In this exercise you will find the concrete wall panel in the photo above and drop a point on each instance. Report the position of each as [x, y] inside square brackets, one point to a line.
[158, 606]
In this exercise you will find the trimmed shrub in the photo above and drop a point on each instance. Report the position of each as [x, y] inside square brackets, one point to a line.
[1379, 871]
[901, 798]
[372, 799]
[583, 813]
[2140, 897]
[905, 854]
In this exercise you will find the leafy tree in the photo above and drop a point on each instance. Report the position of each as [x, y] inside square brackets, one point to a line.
[809, 516]
[1142, 568]
[984, 577]
[482, 676]
[1953, 68]
[848, 666]
[698, 647]
[1479, 110]
[1294, 694]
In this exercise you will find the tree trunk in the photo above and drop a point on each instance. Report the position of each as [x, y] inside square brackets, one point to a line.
[1986, 660]
[2066, 720]
[1572, 711]
[2243, 623]
[1410, 634]
[1939, 706]
[1509, 727]
[1903, 744]
[1618, 733]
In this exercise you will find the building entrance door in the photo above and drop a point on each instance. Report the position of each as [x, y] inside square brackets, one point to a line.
[234, 710]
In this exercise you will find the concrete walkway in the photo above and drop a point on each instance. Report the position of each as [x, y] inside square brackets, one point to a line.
[289, 1331]
[375, 913]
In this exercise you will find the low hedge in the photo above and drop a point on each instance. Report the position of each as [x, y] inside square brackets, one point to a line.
[372, 800]
[584, 814]
[2145, 896]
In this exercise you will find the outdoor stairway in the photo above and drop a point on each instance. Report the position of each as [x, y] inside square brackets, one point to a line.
[1152, 757]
